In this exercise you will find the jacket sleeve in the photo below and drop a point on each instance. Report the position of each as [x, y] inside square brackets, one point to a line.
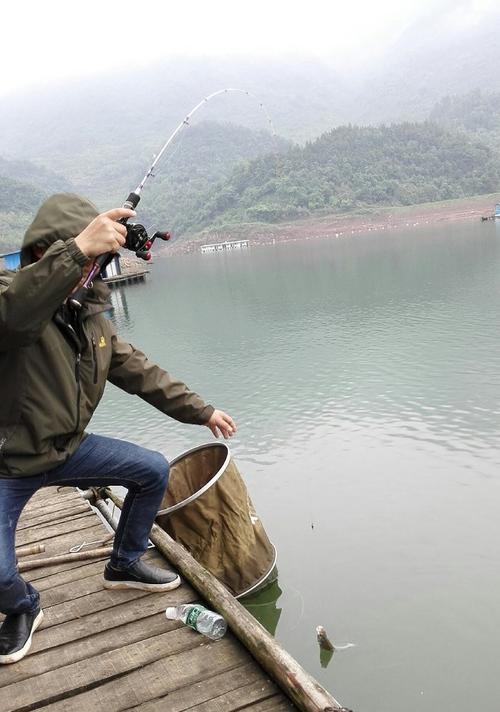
[131, 371]
[29, 299]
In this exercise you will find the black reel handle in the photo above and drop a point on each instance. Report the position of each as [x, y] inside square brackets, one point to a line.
[77, 299]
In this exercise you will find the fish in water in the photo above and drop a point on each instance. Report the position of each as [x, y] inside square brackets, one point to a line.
[326, 644]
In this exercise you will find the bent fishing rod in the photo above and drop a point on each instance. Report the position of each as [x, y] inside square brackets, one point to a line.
[137, 239]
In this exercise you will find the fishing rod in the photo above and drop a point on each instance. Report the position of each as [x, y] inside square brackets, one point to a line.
[137, 239]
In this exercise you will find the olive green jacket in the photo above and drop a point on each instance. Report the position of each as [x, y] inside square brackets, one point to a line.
[51, 380]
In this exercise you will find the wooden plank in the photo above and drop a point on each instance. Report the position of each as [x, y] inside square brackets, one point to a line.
[244, 685]
[49, 507]
[278, 703]
[100, 601]
[153, 663]
[300, 686]
[85, 638]
[35, 576]
[72, 590]
[69, 516]
[115, 650]
[85, 569]
[41, 499]
[31, 519]
[43, 533]
[166, 648]
[51, 490]
[251, 697]
[61, 545]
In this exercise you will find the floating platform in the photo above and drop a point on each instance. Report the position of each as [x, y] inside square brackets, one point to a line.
[138, 276]
[99, 649]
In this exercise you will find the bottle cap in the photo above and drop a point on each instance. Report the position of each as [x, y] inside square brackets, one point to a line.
[171, 613]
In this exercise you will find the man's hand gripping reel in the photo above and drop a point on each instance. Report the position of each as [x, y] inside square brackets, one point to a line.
[137, 240]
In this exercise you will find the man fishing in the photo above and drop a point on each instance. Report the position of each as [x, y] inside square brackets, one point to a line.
[54, 364]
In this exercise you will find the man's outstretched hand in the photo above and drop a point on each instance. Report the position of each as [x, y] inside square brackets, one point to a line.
[221, 423]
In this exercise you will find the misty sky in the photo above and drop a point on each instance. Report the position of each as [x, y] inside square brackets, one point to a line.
[47, 41]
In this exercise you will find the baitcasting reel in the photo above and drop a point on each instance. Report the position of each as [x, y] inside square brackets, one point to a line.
[138, 240]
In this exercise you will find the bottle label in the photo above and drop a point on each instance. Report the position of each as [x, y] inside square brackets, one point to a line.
[193, 615]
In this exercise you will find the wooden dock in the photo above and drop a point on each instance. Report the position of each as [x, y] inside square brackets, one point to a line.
[138, 276]
[115, 650]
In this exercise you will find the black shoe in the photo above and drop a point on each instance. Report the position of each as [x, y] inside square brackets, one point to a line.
[15, 635]
[141, 576]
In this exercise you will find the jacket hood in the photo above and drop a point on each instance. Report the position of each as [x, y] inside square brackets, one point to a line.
[60, 217]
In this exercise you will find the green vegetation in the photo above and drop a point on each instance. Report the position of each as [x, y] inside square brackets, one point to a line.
[204, 155]
[476, 111]
[350, 168]
[219, 174]
[16, 207]
[23, 186]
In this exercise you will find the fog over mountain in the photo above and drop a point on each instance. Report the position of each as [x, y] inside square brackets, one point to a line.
[433, 58]
[99, 133]
[133, 111]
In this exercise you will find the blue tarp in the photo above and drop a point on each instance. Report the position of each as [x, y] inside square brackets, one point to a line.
[12, 260]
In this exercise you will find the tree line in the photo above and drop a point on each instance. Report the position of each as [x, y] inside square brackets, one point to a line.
[222, 173]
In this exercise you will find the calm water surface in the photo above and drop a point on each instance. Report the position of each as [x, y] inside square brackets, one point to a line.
[364, 374]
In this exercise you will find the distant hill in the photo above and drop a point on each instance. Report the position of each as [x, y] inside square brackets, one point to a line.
[204, 155]
[476, 112]
[99, 130]
[102, 131]
[351, 168]
[28, 172]
[437, 56]
[23, 186]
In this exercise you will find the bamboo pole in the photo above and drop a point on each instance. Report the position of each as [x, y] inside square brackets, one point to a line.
[302, 688]
[65, 558]
[29, 550]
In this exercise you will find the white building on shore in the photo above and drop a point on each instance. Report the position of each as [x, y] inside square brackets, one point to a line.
[227, 246]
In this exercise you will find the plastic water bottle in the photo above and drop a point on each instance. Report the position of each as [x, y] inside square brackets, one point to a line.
[199, 618]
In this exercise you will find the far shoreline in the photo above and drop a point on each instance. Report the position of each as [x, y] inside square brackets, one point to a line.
[343, 224]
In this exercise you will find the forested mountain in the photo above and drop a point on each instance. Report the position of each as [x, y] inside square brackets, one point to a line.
[477, 112]
[437, 56]
[203, 155]
[350, 168]
[218, 174]
[98, 131]
[101, 135]
[23, 186]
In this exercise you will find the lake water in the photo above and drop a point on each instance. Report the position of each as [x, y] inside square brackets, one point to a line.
[364, 374]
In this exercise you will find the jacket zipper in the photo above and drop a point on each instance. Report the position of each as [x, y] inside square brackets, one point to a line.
[94, 356]
[78, 389]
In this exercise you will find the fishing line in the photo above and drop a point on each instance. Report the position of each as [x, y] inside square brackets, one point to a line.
[186, 122]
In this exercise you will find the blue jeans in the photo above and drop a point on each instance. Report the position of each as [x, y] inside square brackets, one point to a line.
[97, 461]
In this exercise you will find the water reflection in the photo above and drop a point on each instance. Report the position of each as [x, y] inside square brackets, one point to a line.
[263, 606]
[325, 656]
[120, 315]
[365, 378]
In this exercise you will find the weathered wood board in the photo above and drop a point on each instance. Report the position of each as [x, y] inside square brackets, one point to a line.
[115, 650]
